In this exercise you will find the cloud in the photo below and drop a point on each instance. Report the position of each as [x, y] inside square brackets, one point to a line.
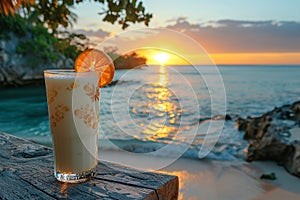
[95, 37]
[178, 19]
[91, 33]
[232, 36]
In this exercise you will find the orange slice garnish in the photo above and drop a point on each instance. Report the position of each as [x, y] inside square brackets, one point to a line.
[98, 61]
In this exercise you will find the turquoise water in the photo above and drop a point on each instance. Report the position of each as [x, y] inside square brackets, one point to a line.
[148, 107]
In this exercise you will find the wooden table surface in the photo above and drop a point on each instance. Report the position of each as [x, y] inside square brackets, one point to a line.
[26, 172]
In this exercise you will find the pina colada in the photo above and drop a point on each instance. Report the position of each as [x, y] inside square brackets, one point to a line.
[73, 105]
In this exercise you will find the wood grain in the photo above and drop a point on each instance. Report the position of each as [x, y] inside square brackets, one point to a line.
[26, 172]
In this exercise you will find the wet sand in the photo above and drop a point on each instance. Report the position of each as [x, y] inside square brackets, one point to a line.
[209, 179]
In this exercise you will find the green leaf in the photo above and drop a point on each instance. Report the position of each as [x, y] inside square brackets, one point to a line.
[58, 13]
[110, 18]
[69, 2]
[125, 25]
[133, 3]
[140, 7]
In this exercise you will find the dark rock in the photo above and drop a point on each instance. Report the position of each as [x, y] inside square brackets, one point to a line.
[270, 176]
[269, 137]
[228, 117]
[296, 109]
[242, 123]
[292, 154]
[272, 151]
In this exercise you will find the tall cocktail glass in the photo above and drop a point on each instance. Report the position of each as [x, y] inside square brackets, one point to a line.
[73, 106]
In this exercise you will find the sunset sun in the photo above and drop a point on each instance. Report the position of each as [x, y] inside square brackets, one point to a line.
[161, 58]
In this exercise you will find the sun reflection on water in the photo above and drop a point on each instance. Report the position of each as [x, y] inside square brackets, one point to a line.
[156, 109]
[163, 78]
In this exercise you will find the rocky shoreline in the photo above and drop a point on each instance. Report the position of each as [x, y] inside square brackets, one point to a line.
[275, 136]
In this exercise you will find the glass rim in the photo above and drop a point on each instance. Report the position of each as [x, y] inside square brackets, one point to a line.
[67, 72]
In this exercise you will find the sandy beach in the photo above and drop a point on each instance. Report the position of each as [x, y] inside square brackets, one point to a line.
[211, 179]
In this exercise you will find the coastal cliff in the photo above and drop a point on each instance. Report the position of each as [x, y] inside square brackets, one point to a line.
[16, 69]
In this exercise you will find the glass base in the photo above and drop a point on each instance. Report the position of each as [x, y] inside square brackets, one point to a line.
[76, 177]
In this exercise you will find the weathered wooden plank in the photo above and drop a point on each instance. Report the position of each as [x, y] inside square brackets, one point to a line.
[14, 148]
[13, 187]
[90, 190]
[39, 174]
[165, 185]
[32, 165]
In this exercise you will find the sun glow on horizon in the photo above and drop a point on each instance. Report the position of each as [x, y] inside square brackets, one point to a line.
[161, 57]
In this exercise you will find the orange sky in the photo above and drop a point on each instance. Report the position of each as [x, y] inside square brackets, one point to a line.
[185, 48]
[184, 51]
[257, 58]
[229, 58]
[225, 58]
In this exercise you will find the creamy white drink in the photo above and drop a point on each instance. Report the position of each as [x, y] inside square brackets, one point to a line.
[73, 105]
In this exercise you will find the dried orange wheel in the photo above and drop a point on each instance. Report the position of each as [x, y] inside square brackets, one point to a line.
[96, 60]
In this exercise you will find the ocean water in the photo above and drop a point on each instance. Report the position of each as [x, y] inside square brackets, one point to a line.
[157, 106]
